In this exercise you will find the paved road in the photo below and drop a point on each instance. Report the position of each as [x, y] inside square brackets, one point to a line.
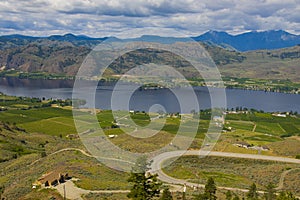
[158, 160]
[75, 193]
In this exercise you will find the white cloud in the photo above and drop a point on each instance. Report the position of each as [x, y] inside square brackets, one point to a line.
[111, 17]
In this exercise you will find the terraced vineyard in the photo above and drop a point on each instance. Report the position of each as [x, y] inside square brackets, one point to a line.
[31, 132]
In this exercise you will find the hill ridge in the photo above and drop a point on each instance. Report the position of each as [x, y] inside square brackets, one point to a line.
[247, 41]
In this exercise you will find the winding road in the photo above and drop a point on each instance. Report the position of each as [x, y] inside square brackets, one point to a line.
[160, 159]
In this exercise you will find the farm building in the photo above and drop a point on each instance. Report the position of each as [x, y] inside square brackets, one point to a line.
[242, 144]
[52, 179]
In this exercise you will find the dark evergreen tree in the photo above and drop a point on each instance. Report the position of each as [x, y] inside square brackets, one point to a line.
[270, 194]
[145, 185]
[2, 188]
[228, 195]
[209, 191]
[236, 197]
[286, 196]
[166, 195]
[43, 154]
[252, 193]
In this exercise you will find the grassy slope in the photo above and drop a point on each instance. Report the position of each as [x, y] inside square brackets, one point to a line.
[22, 148]
[230, 172]
[64, 59]
[96, 176]
[266, 64]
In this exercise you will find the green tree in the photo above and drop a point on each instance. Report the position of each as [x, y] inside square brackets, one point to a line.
[166, 195]
[43, 154]
[228, 195]
[270, 194]
[236, 197]
[2, 188]
[252, 193]
[209, 191]
[286, 196]
[145, 185]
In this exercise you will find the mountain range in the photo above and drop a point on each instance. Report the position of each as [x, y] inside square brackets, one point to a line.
[269, 54]
[248, 41]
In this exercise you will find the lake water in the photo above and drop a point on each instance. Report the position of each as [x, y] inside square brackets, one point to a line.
[143, 99]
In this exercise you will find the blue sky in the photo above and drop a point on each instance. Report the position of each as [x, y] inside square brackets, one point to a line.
[100, 18]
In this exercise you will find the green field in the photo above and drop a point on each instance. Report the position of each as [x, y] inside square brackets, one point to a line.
[228, 172]
[265, 123]
[35, 132]
[244, 125]
[255, 128]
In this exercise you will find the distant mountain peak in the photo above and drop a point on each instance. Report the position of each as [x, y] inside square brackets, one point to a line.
[69, 35]
[216, 33]
[253, 40]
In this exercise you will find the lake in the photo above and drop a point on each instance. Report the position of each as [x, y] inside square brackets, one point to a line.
[143, 99]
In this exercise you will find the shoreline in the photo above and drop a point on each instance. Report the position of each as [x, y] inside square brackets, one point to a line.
[153, 87]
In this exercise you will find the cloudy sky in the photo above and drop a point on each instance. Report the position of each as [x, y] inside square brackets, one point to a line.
[100, 18]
